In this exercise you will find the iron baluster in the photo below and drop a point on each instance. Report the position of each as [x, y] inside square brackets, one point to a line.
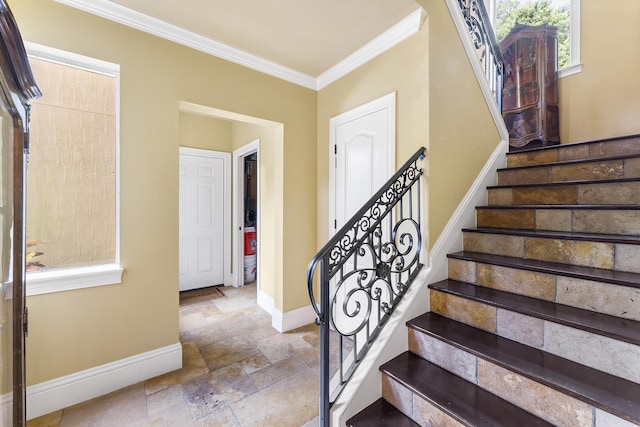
[484, 41]
[371, 260]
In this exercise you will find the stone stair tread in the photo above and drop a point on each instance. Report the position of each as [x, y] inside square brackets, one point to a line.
[462, 400]
[563, 235]
[563, 206]
[615, 277]
[381, 414]
[570, 162]
[591, 321]
[565, 183]
[610, 393]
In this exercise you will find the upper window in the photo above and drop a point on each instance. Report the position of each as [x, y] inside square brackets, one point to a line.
[72, 176]
[564, 14]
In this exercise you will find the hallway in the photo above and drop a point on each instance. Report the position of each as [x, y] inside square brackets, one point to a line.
[237, 371]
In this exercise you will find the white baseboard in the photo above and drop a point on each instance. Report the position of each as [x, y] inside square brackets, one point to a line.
[63, 392]
[293, 319]
[284, 322]
[266, 302]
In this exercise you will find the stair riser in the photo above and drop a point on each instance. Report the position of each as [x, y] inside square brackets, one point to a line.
[620, 147]
[611, 193]
[622, 257]
[610, 221]
[579, 346]
[413, 406]
[610, 169]
[548, 404]
[615, 300]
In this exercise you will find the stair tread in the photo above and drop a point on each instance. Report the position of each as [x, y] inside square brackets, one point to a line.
[563, 235]
[602, 324]
[610, 393]
[573, 144]
[570, 270]
[571, 162]
[566, 183]
[381, 414]
[564, 206]
[464, 401]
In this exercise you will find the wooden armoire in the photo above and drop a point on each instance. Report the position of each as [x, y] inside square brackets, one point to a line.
[530, 89]
[17, 88]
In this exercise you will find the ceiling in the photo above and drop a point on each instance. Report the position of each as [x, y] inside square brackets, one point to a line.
[308, 37]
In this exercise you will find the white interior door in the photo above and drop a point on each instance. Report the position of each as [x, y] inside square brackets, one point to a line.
[363, 159]
[203, 203]
[363, 151]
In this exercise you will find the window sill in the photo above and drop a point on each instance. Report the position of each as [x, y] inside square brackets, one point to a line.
[46, 282]
[569, 71]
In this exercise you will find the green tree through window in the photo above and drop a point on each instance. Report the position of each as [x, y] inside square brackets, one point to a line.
[536, 12]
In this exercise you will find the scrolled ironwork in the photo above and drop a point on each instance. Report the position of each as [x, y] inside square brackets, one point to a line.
[364, 271]
[484, 41]
[354, 234]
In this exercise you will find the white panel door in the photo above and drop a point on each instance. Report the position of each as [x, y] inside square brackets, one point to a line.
[201, 221]
[364, 147]
[361, 162]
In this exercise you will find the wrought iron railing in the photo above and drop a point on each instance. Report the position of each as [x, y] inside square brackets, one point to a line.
[363, 272]
[484, 40]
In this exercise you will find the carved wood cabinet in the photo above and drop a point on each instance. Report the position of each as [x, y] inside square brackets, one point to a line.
[17, 88]
[530, 88]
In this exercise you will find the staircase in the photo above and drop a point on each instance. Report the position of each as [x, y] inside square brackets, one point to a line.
[539, 321]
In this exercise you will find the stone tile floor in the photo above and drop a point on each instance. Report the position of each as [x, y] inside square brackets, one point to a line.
[237, 371]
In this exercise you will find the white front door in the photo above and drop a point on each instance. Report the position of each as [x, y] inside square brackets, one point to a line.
[202, 218]
[363, 145]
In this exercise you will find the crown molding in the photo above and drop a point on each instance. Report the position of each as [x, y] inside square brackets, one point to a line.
[134, 19]
[156, 27]
[385, 41]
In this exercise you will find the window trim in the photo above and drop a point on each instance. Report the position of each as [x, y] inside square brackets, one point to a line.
[575, 66]
[66, 279]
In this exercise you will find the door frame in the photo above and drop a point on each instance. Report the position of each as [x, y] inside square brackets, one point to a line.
[226, 185]
[238, 212]
[387, 102]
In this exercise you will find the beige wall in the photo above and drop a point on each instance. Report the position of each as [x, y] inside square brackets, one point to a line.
[269, 223]
[205, 133]
[604, 99]
[76, 330]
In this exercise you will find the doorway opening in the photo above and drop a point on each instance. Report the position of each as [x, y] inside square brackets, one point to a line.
[241, 136]
[246, 213]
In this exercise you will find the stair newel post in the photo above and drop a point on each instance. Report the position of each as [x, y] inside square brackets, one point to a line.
[325, 404]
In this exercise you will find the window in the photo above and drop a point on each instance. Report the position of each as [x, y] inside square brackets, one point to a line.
[72, 177]
[565, 14]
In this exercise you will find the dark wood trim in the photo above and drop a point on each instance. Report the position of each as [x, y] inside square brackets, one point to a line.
[606, 325]
[561, 235]
[605, 391]
[381, 414]
[571, 144]
[465, 402]
[566, 183]
[622, 278]
[14, 61]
